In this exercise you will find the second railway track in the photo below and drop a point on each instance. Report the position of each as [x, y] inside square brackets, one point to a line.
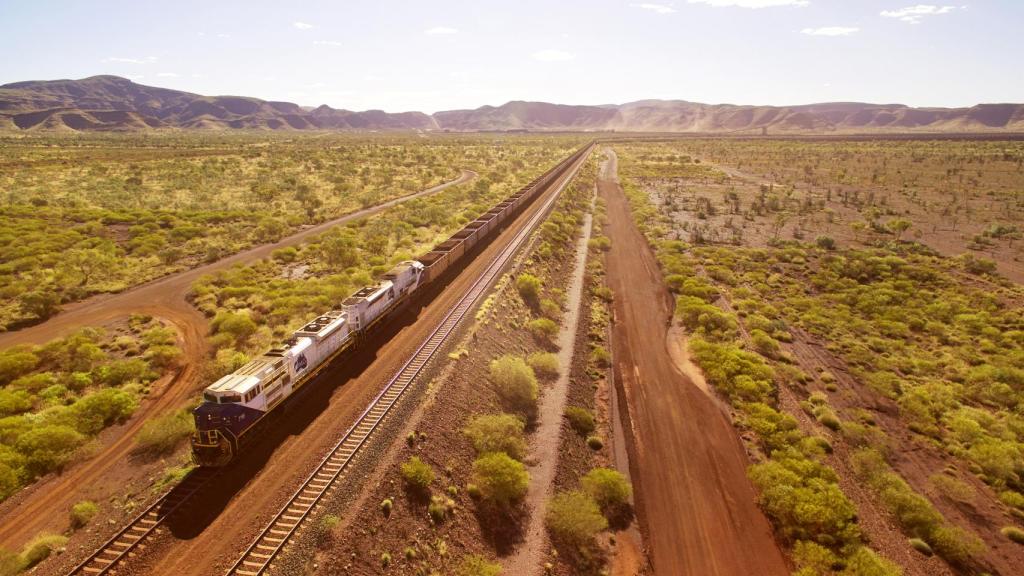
[257, 558]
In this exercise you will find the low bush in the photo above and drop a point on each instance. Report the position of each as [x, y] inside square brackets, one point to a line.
[581, 420]
[921, 546]
[163, 434]
[475, 565]
[1013, 533]
[803, 499]
[529, 286]
[595, 442]
[609, 488]
[515, 383]
[82, 512]
[40, 548]
[544, 364]
[497, 433]
[500, 479]
[574, 518]
[543, 328]
[600, 357]
[417, 474]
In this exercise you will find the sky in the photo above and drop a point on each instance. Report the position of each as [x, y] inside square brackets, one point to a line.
[431, 55]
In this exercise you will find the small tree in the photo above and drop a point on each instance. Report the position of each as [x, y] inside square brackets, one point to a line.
[500, 479]
[898, 227]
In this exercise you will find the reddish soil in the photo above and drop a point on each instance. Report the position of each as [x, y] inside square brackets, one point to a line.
[546, 439]
[224, 521]
[696, 506]
[44, 505]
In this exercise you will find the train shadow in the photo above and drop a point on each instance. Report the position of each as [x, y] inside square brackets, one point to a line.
[300, 411]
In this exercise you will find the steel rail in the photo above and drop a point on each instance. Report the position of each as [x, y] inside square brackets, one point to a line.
[122, 544]
[257, 558]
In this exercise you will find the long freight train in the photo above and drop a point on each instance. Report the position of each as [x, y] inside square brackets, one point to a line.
[238, 405]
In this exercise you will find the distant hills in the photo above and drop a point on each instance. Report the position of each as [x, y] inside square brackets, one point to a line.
[112, 103]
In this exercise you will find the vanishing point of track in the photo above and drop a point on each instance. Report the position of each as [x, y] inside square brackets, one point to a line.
[257, 558]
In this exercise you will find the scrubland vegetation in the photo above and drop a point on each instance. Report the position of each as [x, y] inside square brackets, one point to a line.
[252, 306]
[885, 344]
[102, 213]
[55, 398]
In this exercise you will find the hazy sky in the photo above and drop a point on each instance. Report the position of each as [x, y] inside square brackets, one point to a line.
[433, 55]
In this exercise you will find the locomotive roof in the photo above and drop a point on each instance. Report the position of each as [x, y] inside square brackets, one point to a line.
[324, 324]
[370, 293]
[234, 383]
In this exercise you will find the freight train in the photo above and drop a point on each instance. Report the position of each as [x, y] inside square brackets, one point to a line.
[237, 406]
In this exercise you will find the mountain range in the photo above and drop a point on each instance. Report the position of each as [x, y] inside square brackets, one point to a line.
[112, 103]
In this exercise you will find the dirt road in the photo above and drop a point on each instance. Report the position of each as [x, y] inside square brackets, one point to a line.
[695, 503]
[44, 505]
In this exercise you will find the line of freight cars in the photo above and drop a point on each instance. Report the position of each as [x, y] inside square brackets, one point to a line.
[237, 407]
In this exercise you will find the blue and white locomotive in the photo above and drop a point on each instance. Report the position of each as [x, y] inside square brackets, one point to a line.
[234, 406]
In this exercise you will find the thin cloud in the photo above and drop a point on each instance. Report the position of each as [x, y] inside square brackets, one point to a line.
[119, 60]
[656, 8]
[751, 3]
[327, 43]
[914, 14]
[302, 25]
[441, 31]
[167, 74]
[551, 55]
[831, 31]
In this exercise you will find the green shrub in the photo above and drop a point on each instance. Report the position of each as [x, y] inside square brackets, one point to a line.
[609, 488]
[921, 546]
[864, 562]
[550, 309]
[97, 410]
[515, 383]
[574, 518]
[48, 448]
[417, 474]
[528, 286]
[764, 343]
[497, 433]
[804, 501]
[474, 565]
[825, 243]
[543, 328]
[40, 548]
[82, 513]
[1013, 533]
[500, 479]
[386, 506]
[544, 363]
[163, 434]
[955, 544]
[595, 442]
[439, 508]
[581, 420]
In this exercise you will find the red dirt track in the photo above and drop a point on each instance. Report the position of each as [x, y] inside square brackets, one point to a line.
[44, 506]
[696, 506]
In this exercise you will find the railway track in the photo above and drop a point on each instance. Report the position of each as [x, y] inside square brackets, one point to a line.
[257, 558]
[128, 539]
[259, 555]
